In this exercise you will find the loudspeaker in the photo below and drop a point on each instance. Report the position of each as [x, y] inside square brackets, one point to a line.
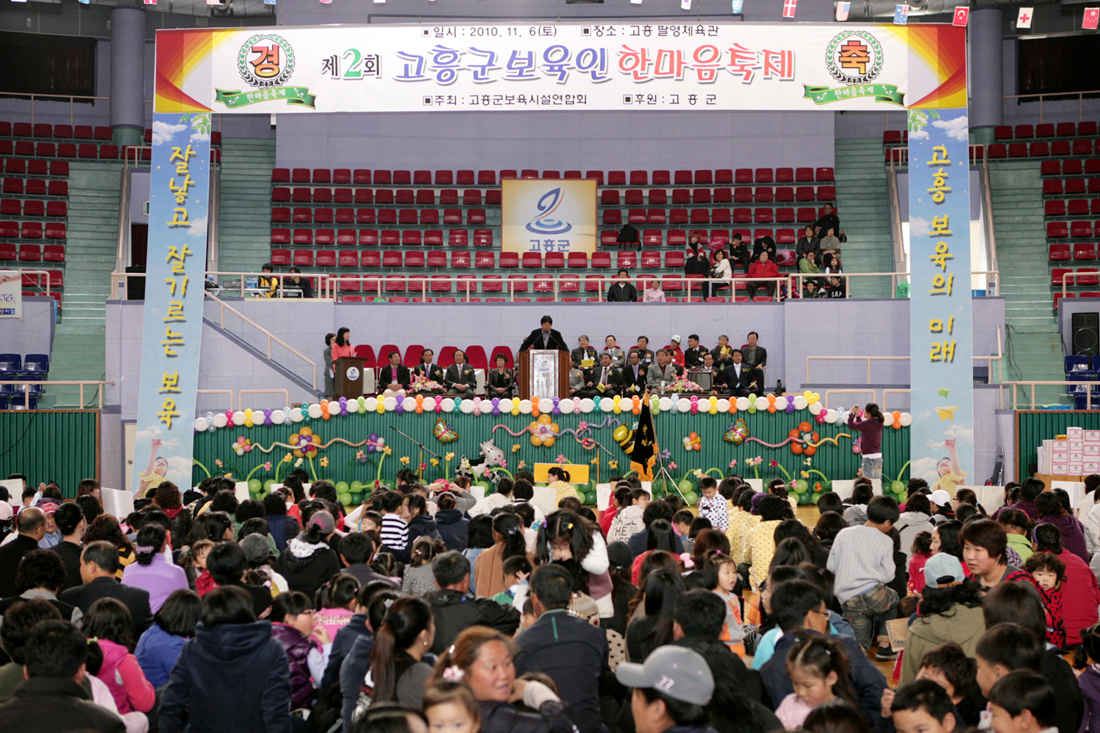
[1086, 334]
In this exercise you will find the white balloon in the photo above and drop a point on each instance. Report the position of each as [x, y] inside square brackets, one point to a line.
[888, 419]
[334, 408]
[408, 404]
[666, 404]
[587, 405]
[505, 404]
[566, 406]
[238, 418]
[546, 405]
[466, 406]
[684, 405]
[743, 403]
[389, 404]
[723, 405]
[830, 416]
[607, 405]
[314, 411]
[370, 404]
[906, 419]
[780, 404]
[525, 407]
[201, 424]
[220, 420]
[296, 414]
[816, 408]
[800, 402]
[277, 417]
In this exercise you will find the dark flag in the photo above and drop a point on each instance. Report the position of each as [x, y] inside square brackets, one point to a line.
[643, 448]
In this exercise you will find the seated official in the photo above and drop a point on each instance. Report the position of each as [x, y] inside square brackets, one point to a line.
[722, 353]
[693, 354]
[633, 376]
[394, 377]
[604, 380]
[663, 373]
[576, 383]
[737, 379]
[644, 354]
[267, 282]
[501, 381]
[584, 353]
[617, 356]
[426, 368]
[459, 377]
[299, 283]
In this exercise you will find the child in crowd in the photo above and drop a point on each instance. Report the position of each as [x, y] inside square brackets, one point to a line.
[923, 707]
[1022, 702]
[681, 522]
[921, 551]
[628, 520]
[450, 706]
[712, 505]
[1089, 680]
[720, 576]
[1050, 574]
[516, 572]
[204, 583]
[306, 643]
[818, 668]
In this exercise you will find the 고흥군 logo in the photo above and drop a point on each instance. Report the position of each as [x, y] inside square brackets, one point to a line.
[545, 223]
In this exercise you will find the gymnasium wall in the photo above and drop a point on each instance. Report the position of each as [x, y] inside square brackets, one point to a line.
[32, 334]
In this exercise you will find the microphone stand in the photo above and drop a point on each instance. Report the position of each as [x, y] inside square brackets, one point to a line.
[423, 448]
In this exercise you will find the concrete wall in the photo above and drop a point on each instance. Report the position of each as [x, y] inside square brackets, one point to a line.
[33, 334]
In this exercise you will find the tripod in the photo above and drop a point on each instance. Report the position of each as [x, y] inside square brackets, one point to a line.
[423, 448]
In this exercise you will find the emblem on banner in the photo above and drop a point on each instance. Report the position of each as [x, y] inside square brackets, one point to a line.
[545, 223]
[266, 62]
[855, 59]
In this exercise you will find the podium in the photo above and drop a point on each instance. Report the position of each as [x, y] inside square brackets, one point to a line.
[350, 377]
[543, 373]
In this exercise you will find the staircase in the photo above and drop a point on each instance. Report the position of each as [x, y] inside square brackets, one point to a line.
[78, 347]
[1033, 345]
[864, 211]
[245, 204]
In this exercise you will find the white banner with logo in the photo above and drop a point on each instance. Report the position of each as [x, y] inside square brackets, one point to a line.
[548, 215]
[11, 294]
[672, 65]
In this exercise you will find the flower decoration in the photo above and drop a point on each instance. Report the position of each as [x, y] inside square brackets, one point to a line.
[516, 447]
[805, 441]
[421, 383]
[773, 463]
[754, 461]
[503, 463]
[433, 461]
[595, 460]
[464, 463]
[665, 454]
[561, 460]
[242, 446]
[404, 460]
[733, 463]
[305, 442]
[588, 444]
[521, 465]
[387, 450]
[612, 464]
[543, 431]
[361, 456]
[698, 473]
[693, 442]
[267, 466]
[298, 463]
[683, 384]
[582, 427]
[324, 462]
[805, 474]
[809, 461]
[421, 467]
[218, 462]
[286, 458]
[449, 457]
[672, 466]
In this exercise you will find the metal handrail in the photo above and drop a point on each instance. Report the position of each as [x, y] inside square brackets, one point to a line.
[59, 382]
[219, 391]
[43, 277]
[993, 276]
[990, 233]
[270, 336]
[1042, 383]
[829, 392]
[1080, 100]
[243, 392]
[52, 99]
[896, 232]
[892, 391]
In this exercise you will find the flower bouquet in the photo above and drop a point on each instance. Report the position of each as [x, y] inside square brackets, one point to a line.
[422, 385]
[682, 384]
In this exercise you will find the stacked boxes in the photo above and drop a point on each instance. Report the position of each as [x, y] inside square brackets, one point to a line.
[1077, 453]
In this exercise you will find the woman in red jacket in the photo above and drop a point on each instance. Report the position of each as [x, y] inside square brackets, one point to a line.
[763, 267]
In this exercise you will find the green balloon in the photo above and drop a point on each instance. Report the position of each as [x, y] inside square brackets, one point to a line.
[343, 487]
[268, 484]
[686, 486]
[691, 498]
[897, 487]
[801, 486]
[486, 487]
[254, 485]
[345, 498]
[815, 497]
[752, 409]
[357, 497]
[356, 486]
[804, 499]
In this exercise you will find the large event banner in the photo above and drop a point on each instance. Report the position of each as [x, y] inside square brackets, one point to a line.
[940, 321]
[11, 294]
[548, 215]
[172, 334]
[671, 65]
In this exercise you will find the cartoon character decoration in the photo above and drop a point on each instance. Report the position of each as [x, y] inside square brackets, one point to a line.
[808, 437]
[692, 442]
[543, 431]
[491, 456]
[737, 432]
[443, 432]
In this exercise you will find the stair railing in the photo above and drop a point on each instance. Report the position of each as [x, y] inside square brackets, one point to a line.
[896, 232]
[987, 218]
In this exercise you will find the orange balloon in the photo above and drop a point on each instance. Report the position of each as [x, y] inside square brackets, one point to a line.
[544, 419]
[771, 407]
[771, 399]
[897, 415]
[693, 435]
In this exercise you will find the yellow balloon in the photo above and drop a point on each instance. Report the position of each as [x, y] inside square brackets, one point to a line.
[618, 399]
[713, 409]
[536, 440]
[248, 421]
[616, 409]
[555, 427]
[544, 419]
[381, 408]
[618, 435]
[515, 410]
[548, 441]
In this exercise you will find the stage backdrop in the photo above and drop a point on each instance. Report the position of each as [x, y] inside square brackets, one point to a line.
[671, 65]
[548, 215]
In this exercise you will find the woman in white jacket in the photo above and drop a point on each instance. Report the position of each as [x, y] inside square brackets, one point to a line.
[720, 271]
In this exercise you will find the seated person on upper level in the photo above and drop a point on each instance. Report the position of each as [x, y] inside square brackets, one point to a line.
[432, 371]
[576, 383]
[811, 290]
[675, 353]
[634, 375]
[755, 356]
[501, 381]
[299, 283]
[829, 242]
[652, 291]
[722, 272]
[644, 354]
[544, 337]
[739, 253]
[459, 376]
[694, 353]
[807, 263]
[722, 353]
[662, 374]
[764, 244]
[621, 291]
[763, 267]
[737, 379]
[835, 289]
[808, 242]
[394, 377]
[610, 347]
[828, 219]
[830, 262]
[697, 261]
[269, 285]
[707, 365]
[584, 353]
[603, 380]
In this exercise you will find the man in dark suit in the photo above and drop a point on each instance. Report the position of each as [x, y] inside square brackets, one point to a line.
[646, 355]
[622, 291]
[603, 380]
[584, 353]
[31, 526]
[756, 358]
[722, 353]
[395, 375]
[545, 337]
[693, 355]
[634, 375]
[98, 566]
[737, 379]
[434, 372]
[460, 376]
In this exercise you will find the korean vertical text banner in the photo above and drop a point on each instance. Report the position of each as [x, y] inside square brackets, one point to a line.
[172, 334]
[548, 215]
[940, 320]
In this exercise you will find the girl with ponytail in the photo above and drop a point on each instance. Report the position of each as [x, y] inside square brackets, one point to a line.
[508, 542]
[559, 482]
[869, 422]
[397, 670]
[308, 561]
[153, 572]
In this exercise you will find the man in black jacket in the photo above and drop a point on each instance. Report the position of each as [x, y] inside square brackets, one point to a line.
[395, 375]
[52, 700]
[828, 219]
[459, 377]
[434, 372]
[455, 609]
[584, 353]
[31, 526]
[603, 380]
[737, 379]
[634, 375]
[544, 337]
[98, 565]
[621, 291]
[693, 354]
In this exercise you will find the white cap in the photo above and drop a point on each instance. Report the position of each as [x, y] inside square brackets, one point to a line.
[940, 497]
[676, 339]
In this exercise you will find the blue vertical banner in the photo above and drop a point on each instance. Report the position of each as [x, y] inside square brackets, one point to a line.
[179, 188]
[940, 320]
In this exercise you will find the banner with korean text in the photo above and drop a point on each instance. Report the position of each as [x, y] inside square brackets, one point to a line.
[172, 334]
[11, 294]
[940, 323]
[548, 215]
[673, 65]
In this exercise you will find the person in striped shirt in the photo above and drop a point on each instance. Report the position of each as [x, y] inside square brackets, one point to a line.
[395, 529]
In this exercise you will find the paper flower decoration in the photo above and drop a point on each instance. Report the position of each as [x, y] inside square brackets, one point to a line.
[387, 450]
[733, 463]
[672, 466]
[773, 463]
[267, 466]
[218, 462]
[561, 460]
[448, 457]
[612, 464]
[433, 461]
[521, 465]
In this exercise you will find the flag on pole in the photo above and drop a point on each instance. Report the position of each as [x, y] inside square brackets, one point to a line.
[901, 15]
[1023, 19]
[962, 16]
[842, 11]
[789, 7]
[685, 4]
[150, 2]
[1092, 16]
[737, 6]
[642, 445]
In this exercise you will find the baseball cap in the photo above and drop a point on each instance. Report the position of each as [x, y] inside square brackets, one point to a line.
[47, 507]
[324, 520]
[5, 511]
[255, 547]
[943, 565]
[620, 555]
[939, 497]
[680, 673]
[675, 339]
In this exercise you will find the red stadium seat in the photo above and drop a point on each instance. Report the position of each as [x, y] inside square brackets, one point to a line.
[326, 258]
[1060, 253]
[303, 258]
[1054, 207]
[1057, 230]
[601, 259]
[1084, 251]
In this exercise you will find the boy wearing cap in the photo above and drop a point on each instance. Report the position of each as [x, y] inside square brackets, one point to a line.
[945, 615]
[676, 352]
[671, 690]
